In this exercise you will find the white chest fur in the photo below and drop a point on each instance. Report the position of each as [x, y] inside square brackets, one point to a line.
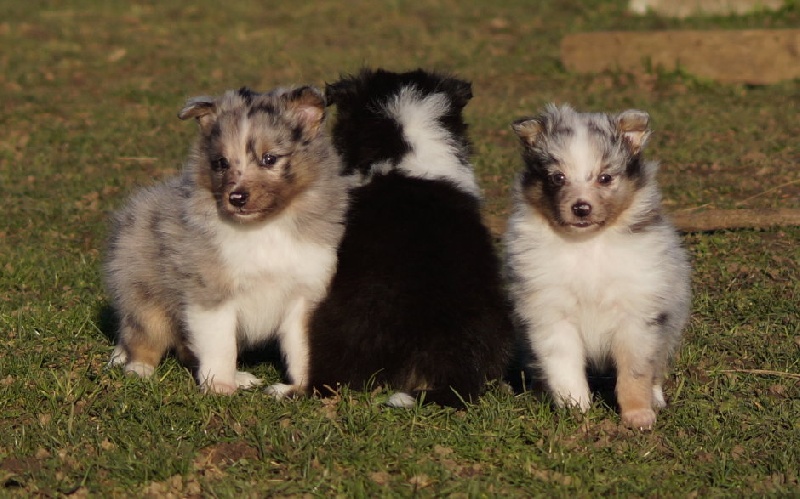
[596, 284]
[270, 268]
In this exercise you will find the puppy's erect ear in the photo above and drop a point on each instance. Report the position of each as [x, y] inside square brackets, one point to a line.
[460, 91]
[634, 126]
[331, 92]
[529, 130]
[203, 108]
[306, 106]
[335, 92]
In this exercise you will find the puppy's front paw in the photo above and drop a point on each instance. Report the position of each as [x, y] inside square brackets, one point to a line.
[641, 419]
[582, 402]
[659, 402]
[218, 388]
[246, 380]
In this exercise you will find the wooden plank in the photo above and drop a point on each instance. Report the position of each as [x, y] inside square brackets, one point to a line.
[711, 220]
[688, 8]
[703, 221]
[757, 57]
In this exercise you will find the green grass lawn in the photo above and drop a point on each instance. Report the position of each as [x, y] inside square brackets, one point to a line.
[90, 92]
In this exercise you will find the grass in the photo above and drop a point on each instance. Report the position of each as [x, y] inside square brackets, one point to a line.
[90, 92]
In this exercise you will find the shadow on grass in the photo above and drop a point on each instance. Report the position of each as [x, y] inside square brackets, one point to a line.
[601, 383]
[107, 321]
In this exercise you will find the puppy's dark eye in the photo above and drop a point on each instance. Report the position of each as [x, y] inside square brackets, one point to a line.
[558, 179]
[267, 160]
[605, 179]
[220, 164]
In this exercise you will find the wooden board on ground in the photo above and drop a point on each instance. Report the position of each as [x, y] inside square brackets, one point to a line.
[756, 57]
[689, 8]
[711, 220]
[703, 221]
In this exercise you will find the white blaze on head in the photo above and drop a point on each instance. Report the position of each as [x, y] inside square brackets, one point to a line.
[581, 165]
[582, 159]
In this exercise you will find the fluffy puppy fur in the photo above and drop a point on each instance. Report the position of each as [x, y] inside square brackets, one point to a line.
[416, 302]
[236, 250]
[597, 272]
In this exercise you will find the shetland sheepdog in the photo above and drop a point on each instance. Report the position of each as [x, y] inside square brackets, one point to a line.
[417, 303]
[597, 273]
[237, 249]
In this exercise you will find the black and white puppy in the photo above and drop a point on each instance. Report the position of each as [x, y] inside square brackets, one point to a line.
[416, 302]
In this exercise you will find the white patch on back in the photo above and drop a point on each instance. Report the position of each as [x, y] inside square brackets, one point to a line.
[433, 154]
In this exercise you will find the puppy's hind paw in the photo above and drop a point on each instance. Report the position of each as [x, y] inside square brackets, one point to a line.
[641, 419]
[282, 391]
[120, 358]
[246, 380]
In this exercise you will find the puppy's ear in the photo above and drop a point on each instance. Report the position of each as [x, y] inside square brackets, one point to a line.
[335, 92]
[634, 127]
[529, 130]
[460, 91]
[203, 109]
[306, 106]
[330, 93]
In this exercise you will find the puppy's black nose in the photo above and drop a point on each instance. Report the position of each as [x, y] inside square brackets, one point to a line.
[238, 198]
[582, 209]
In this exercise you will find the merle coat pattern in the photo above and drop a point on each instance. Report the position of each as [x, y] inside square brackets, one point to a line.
[238, 248]
[597, 272]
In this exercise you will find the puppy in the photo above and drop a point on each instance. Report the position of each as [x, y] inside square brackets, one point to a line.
[417, 301]
[236, 250]
[597, 273]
